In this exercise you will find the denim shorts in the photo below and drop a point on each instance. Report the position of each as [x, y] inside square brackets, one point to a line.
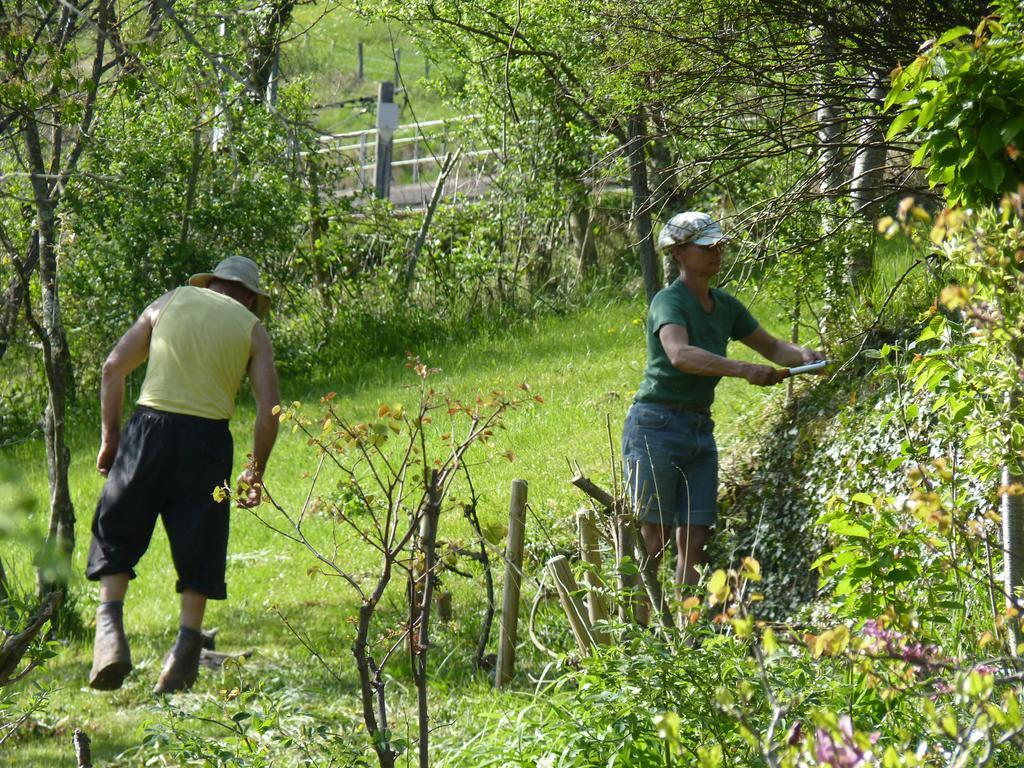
[671, 465]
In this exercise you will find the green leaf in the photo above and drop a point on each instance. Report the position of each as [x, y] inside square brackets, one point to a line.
[952, 34]
[924, 119]
[862, 498]
[849, 528]
[903, 119]
[990, 139]
[996, 172]
[822, 560]
[1010, 129]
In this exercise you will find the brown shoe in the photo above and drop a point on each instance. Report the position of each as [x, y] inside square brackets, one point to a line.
[182, 665]
[111, 657]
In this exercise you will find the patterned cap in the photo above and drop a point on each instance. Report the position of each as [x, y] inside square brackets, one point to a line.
[690, 227]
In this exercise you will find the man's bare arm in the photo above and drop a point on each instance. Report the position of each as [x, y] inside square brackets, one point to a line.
[263, 377]
[778, 351]
[128, 354]
[690, 359]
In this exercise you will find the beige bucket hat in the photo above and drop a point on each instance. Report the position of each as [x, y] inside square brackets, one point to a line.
[240, 270]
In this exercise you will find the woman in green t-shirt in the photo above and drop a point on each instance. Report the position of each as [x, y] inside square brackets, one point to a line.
[668, 447]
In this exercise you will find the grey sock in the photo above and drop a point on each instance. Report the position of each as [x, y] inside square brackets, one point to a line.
[187, 638]
[113, 607]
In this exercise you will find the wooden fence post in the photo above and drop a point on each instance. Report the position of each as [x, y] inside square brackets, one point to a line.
[387, 122]
[568, 591]
[359, 62]
[591, 555]
[513, 582]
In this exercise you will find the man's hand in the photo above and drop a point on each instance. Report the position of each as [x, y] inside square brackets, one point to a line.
[813, 356]
[763, 375]
[105, 458]
[249, 489]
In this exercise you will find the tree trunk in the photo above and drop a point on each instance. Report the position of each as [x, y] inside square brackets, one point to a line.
[830, 163]
[581, 224]
[641, 214]
[265, 47]
[428, 541]
[1012, 512]
[828, 117]
[55, 566]
[155, 9]
[867, 177]
[15, 294]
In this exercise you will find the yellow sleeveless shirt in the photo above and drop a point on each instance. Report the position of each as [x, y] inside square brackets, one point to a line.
[198, 354]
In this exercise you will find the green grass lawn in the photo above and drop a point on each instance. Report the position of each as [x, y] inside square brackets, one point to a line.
[585, 366]
[323, 51]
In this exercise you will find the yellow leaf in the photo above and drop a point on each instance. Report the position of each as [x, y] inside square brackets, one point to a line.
[743, 627]
[953, 297]
[750, 569]
[383, 411]
[718, 587]
[948, 723]
[771, 645]
[920, 214]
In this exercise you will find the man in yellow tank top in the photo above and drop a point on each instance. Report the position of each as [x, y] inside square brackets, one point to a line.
[200, 340]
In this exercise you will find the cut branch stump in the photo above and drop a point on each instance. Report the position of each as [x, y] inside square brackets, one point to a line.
[597, 608]
[568, 594]
[628, 578]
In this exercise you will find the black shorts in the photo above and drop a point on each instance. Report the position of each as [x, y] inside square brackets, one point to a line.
[167, 465]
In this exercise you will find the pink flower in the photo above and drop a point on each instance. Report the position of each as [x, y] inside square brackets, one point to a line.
[842, 751]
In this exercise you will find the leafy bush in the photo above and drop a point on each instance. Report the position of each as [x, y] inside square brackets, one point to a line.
[963, 98]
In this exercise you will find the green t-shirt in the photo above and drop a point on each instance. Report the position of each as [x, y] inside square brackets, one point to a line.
[711, 331]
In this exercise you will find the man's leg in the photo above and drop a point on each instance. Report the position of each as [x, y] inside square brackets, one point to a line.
[691, 541]
[197, 530]
[193, 606]
[182, 665]
[113, 587]
[111, 657]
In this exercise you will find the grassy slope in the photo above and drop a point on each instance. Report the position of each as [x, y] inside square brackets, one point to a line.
[324, 53]
[585, 366]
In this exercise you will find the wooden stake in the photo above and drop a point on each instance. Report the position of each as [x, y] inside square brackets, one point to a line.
[83, 750]
[597, 608]
[568, 591]
[508, 629]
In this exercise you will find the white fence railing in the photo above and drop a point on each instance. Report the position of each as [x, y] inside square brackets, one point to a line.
[418, 150]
